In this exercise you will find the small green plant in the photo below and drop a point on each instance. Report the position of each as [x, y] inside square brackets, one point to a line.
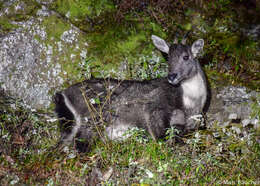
[172, 133]
[137, 134]
[256, 108]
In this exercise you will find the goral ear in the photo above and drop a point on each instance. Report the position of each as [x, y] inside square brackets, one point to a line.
[160, 44]
[197, 47]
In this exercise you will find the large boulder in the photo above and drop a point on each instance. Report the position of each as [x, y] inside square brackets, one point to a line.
[38, 53]
[235, 107]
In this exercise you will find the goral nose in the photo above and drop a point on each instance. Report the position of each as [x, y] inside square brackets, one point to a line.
[172, 76]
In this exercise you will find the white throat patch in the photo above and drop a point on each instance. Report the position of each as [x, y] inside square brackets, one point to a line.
[194, 89]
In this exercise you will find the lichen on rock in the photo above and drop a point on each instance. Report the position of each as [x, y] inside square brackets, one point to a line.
[36, 60]
[232, 104]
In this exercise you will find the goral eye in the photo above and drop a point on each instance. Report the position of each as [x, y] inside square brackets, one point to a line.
[185, 58]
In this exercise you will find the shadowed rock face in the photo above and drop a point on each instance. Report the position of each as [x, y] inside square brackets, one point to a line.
[232, 105]
[88, 108]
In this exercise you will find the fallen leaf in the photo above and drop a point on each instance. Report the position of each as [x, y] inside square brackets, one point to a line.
[107, 174]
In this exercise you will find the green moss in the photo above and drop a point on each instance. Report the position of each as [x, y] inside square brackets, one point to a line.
[38, 38]
[118, 42]
[81, 8]
[5, 24]
[71, 68]
[55, 27]
[68, 55]
[111, 41]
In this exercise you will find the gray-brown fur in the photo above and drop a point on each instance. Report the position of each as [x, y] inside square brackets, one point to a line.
[116, 106]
